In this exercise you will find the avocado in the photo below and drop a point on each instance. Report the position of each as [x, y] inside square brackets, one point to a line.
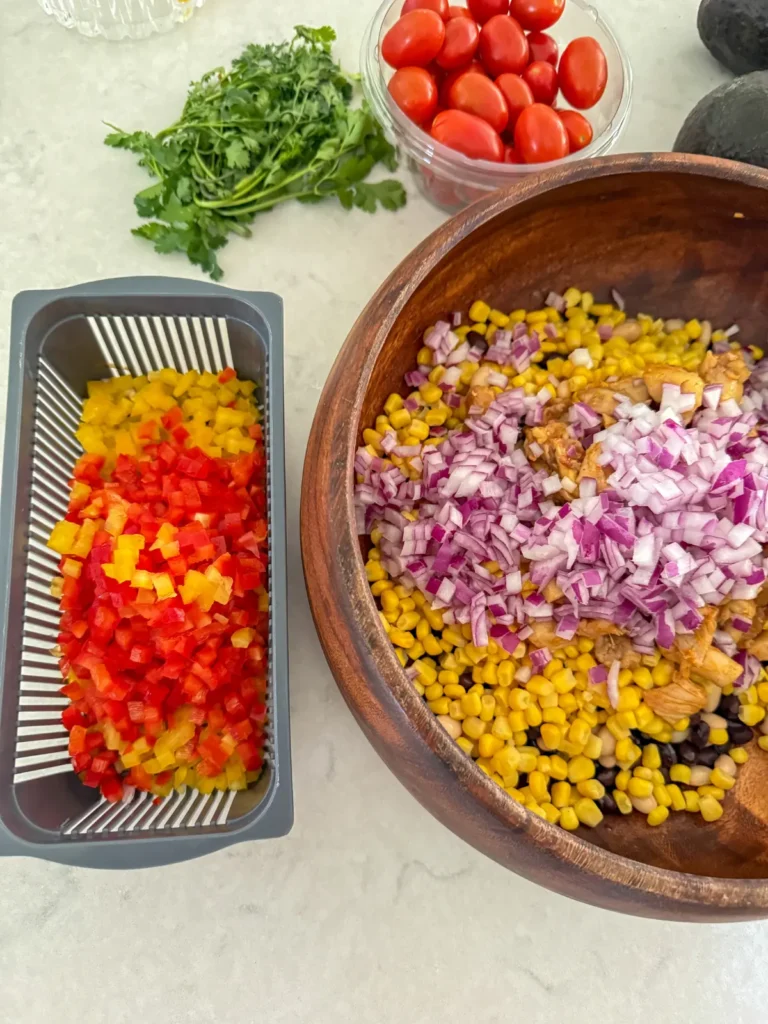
[730, 122]
[736, 33]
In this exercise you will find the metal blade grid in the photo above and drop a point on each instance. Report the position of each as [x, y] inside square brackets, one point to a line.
[135, 345]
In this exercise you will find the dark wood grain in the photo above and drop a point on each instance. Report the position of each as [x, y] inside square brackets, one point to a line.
[662, 229]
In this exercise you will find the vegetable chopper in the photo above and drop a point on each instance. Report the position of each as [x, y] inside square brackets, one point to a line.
[59, 341]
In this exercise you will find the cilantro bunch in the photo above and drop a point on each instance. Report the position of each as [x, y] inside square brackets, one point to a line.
[278, 125]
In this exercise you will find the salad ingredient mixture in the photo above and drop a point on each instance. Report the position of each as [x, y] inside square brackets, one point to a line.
[492, 62]
[567, 511]
[278, 125]
[164, 624]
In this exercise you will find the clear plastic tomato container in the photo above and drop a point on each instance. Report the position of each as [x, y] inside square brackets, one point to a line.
[451, 180]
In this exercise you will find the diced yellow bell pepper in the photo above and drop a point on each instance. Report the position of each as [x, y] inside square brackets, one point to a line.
[243, 637]
[130, 542]
[72, 568]
[84, 543]
[142, 580]
[80, 493]
[163, 585]
[116, 520]
[91, 440]
[226, 418]
[57, 586]
[63, 536]
[124, 443]
[195, 584]
[165, 535]
[184, 383]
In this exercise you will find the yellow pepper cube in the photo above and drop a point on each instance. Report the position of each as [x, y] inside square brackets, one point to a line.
[63, 537]
[163, 585]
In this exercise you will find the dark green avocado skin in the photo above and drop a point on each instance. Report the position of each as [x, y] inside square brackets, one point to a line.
[736, 33]
[731, 122]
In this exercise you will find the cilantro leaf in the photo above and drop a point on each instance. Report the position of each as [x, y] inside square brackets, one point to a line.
[280, 123]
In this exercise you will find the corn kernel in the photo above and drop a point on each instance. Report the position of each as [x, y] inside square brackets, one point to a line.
[710, 808]
[489, 745]
[588, 812]
[640, 787]
[658, 815]
[623, 802]
[722, 779]
[739, 755]
[692, 800]
[580, 769]
[750, 714]
[591, 788]
[680, 773]
[569, 819]
[473, 727]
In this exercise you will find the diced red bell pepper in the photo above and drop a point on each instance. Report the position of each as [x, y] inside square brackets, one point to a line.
[77, 740]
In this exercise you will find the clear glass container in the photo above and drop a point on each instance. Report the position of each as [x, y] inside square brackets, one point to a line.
[451, 180]
[120, 19]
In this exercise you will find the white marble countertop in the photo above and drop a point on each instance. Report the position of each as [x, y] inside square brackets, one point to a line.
[370, 911]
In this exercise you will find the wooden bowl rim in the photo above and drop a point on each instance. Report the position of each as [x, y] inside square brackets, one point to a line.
[338, 413]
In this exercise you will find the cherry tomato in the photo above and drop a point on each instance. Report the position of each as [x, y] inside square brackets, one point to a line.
[484, 10]
[542, 78]
[427, 126]
[438, 6]
[414, 90]
[462, 37]
[452, 76]
[540, 135]
[414, 40]
[477, 95]
[536, 15]
[469, 135]
[459, 12]
[578, 127]
[543, 47]
[583, 72]
[517, 93]
[503, 46]
[510, 156]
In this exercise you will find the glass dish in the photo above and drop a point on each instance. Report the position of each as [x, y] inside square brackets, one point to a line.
[120, 19]
[451, 180]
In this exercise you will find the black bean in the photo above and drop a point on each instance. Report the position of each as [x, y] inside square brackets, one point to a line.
[723, 748]
[708, 756]
[534, 734]
[738, 733]
[607, 776]
[668, 755]
[699, 735]
[640, 738]
[729, 706]
[607, 804]
[687, 753]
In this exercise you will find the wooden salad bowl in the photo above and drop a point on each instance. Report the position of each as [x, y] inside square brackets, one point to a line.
[678, 236]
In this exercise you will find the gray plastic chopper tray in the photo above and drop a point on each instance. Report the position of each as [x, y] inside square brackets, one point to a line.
[59, 341]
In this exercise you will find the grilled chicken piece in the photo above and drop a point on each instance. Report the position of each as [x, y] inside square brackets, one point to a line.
[728, 369]
[590, 469]
[659, 374]
[562, 453]
[612, 648]
[595, 628]
[606, 397]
